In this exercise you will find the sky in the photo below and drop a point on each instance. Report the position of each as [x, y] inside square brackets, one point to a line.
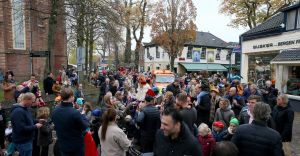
[210, 20]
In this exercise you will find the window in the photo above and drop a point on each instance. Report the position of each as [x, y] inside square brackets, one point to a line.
[290, 20]
[298, 20]
[148, 54]
[293, 83]
[203, 53]
[189, 53]
[157, 52]
[218, 57]
[18, 24]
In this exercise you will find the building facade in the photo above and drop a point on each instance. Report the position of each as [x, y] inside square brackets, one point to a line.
[271, 51]
[16, 38]
[208, 52]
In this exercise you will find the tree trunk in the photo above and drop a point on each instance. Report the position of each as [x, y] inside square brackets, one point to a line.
[91, 47]
[172, 60]
[128, 32]
[87, 42]
[116, 48]
[51, 35]
[137, 54]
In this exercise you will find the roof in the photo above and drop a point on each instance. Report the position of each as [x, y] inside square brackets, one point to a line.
[203, 66]
[291, 7]
[287, 55]
[270, 25]
[208, 40]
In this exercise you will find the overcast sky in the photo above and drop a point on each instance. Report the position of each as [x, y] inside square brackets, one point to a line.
[209, 19]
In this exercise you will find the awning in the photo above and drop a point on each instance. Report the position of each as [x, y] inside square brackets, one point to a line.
[203, 66]
[233, 66]
[287, 56]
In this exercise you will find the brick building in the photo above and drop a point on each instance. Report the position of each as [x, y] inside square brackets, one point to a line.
[15, 37]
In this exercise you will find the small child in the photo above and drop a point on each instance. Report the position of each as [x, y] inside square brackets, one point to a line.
[8, 135]
[56, 87]
[44, 138]
[234, 123]
[95, 125]
[206, 140]
[218, 130]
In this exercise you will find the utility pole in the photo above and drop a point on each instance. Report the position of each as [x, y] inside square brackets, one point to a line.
[30, 40]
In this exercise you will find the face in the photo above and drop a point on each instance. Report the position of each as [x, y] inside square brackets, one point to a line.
[28, 103]
[197, 89]
[213, 94]
[232, 91]
[223, 105]
[252, 89]
[251, 104]
[107, 81]
[32, 78]
[167, 125]
[112, 100]
[80, 87]
[233, 127]
[9, 77]
[57, 82]
[50, 75]
[280, 101]
[178, 104]
[217, 128]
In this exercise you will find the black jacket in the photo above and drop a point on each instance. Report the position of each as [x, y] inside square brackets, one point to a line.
[23, 125]
[172, 88]
[185, 144]
[70, 127]
[256, 139]
[44, 137]
[48, 83]
[203, 110]
[284, 117]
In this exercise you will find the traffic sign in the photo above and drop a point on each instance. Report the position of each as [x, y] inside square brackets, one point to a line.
[39, 54]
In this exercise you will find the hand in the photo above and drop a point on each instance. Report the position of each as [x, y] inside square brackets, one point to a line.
[41, 121]
[38, 125]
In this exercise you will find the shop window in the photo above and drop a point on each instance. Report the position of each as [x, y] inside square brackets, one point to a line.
[203, 53]
[298, 20]
[148, 53]
[157, 52]
[290, 20]
[293, 83]
[18, 24]
[218, 54]
[189, 53]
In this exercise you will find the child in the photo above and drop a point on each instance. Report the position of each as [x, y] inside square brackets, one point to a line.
[95, 125]
[87, 112]
[206, 140]
[56, 87]
[218, 130]
[234, 123]
[8, 135]
[39, 100]
[44, 138]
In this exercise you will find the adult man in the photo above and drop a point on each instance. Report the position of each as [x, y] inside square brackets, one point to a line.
[174, 137]
[23, 125]
[149, 121]
[69, 126]
[246, 114]
[188, 114]
[256, 138]
[48, 83]
[251, 91]
[269, 94]
[79, 92]
[237, 102]
[104, 88]
[203, 102]
[174, 87]
[32, 84]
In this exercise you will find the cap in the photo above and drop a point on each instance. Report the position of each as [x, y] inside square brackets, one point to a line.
[155, 89]
[218, 124]
[150, 92]
[234, 121]
[79, 101]
[97, 112]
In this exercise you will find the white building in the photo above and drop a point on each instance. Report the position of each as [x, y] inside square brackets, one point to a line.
[272, 51]
[208, 52]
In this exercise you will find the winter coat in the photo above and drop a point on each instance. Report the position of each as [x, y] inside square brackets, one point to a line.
[184, 144]
[89, 145]
[189, 116]
[241, 103]
[116, 142]
[218, 135]
[207, 144]
[228, 135]
[69, 126]
[283, 118]
[256, 139]
[224, 115]
[9, 91]
[48, 83]
[44, 137]
[172, 88]
[203, 108]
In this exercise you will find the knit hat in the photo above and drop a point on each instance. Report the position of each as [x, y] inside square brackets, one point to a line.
[234, 121]
[155, 89]
[96, 112]
[150, 92]
[79, 101]
[218, 124]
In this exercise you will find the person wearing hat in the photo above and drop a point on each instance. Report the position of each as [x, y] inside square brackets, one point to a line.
[234, 123]
[203, 103]
[215, 99]
[148, 119]
[95, 125]
[158, 97]
[218, 130]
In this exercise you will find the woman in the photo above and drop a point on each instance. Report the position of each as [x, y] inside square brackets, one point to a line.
[215, 99]
[109, 102]
[224, 113]
[113, 140]
[9, 87]
[168, 101]
[87, 111]
[283, 116]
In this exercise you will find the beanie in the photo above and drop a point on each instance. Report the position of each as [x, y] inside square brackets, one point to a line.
[218, 124]
[150, 92]
[234, 121]
[97, 112]
[79, 101]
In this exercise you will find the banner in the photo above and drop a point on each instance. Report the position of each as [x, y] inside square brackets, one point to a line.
[196, 54]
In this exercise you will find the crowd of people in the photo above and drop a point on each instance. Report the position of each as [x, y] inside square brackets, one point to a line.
[198, 114]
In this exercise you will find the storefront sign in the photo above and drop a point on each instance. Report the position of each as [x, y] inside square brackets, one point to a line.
[278, 44]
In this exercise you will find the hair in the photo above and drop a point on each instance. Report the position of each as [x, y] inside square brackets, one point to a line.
[43, 113]
[175, 115]
[32, 75]
[108, 116]
[49, 73]
[261, 112]
[107, 99]
[118, 94]
[27, 96]
[182, 97]
[227, 102]
[203, 129]
[169, 95]
[255, 97]
[205, 85]
[66, 93]
[88, 106]
[225, 148]
[284, 97]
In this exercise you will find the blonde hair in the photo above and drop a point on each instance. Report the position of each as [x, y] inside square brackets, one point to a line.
[43, 113]
[27, 96]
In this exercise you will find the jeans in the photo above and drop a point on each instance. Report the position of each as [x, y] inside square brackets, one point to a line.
[24, 149]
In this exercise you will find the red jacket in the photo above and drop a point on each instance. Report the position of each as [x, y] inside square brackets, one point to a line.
[90, 146]
[207, 143]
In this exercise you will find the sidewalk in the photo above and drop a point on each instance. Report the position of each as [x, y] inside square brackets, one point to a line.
[296, 135]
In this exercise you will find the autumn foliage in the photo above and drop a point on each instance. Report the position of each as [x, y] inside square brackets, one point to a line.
[173, 25]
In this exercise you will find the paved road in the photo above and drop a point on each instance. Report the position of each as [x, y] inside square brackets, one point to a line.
[296, 135]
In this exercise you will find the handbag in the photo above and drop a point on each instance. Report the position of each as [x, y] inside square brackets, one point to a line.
[133, 151]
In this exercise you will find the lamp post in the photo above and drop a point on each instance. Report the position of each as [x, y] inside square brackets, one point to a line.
[30, 40]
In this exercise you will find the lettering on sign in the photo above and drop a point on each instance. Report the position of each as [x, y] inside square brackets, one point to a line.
[279, 44]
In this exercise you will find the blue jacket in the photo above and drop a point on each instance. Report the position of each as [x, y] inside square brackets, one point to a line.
[219, 135]
[23, 125]
[70, 127]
